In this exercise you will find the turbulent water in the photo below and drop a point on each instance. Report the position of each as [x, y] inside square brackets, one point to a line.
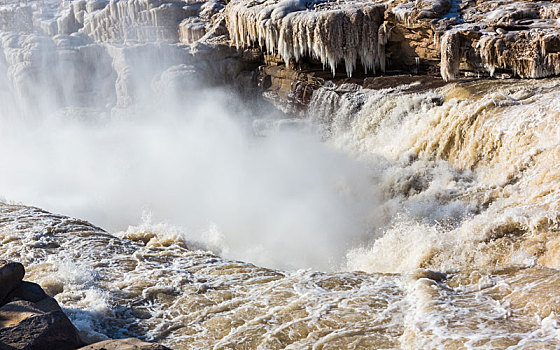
[432, 214]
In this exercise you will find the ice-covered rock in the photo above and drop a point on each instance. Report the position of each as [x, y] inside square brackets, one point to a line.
[202, 16]
[135, 20]
[332, 32]
[77, 71]
[14, 18]
[520, 37]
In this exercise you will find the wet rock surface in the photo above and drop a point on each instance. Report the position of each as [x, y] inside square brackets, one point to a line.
[29, 318]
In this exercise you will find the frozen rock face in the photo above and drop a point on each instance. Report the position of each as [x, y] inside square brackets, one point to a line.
[333, 32]
[93, 44]
[517, 38]
[202, 16]
[16, 18]
[117, 21]
[135, 20]
[78, 72]
[112, 54]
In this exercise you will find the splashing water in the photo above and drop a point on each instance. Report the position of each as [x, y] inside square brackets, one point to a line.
[461, 179]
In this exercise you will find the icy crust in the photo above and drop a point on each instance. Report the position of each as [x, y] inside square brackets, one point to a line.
[116, 21]
[530, 54]
[16, 18]
[410, 12]
[332, 31]
[520, 37]
[136, 20]
[48, 75]
[202, 17]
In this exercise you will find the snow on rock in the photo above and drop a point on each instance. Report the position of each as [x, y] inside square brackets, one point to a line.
[16, 18]
[135, 20]
[202, 16]
[330, 31]
[520, 37]
[450, 55]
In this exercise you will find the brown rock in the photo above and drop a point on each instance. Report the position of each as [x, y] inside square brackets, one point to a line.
[25, 326]
[48, 304]
[11, 274]
[28, 291]
[124, 344]
[32, 292]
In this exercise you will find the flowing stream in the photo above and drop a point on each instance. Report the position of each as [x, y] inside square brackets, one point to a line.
[395, 218]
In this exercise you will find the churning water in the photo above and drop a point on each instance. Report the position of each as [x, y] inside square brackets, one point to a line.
[433, 216]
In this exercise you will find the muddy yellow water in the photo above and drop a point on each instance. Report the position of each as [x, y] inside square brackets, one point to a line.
[462, 253]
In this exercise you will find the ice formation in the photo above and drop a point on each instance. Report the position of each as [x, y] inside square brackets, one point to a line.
[450, 55]
[201, 18]
[78, 71]
[521, 37]
[332, 32]
[137, 20]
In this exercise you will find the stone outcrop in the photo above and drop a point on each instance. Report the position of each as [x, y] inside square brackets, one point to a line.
[446, 37]
[288, 89]
[11, 275]
[519, 38]
[25, 325]
[202, 17]
[29, 318]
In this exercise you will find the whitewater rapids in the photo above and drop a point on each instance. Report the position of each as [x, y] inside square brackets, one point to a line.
[460, 250]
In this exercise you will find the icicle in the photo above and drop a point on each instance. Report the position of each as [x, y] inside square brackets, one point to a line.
[450, 55]
[295, 31]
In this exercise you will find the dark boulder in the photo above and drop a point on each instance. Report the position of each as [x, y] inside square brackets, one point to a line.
[11, 274]
[27, 291]
[25, 326]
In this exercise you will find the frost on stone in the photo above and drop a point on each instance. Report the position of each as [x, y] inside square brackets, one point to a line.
[518, 37]
[528, 54]
[15, 18]
[134, 20]
[202, 16]
[332, 32]
[409, 12]
[450, 55]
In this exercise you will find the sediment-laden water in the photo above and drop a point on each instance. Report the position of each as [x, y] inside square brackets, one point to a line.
[396, 218]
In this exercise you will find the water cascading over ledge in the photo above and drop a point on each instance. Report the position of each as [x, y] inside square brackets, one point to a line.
[333, 32]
